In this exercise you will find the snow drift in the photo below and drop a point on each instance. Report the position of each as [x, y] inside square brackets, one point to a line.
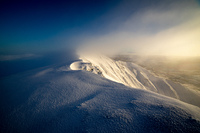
[58, 99]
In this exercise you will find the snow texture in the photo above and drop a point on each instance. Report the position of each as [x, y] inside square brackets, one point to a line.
[130, 74]
[58, 99]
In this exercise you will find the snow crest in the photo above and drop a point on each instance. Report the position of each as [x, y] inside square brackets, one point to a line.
[132, 75]
[57, 99]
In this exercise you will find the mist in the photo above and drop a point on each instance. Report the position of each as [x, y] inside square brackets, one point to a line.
[141, 27]
[168, 28]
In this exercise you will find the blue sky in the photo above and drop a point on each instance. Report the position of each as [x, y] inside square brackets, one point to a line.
[28, 24]
[40, 25]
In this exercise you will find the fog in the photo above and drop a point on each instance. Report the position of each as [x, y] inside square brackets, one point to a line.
[171, 28]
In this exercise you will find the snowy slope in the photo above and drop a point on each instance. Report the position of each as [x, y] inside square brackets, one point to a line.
[132, 75]
[58, 99]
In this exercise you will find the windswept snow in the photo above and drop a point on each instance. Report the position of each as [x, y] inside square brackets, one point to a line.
[58, 99]
[132, 75]
[79, 65]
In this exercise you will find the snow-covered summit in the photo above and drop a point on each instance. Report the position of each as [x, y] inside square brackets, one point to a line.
[58, 99]
[130, 74]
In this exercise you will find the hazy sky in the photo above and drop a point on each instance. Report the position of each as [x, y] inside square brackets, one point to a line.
[169, 27]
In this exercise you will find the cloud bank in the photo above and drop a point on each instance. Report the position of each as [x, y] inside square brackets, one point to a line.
[170, 28]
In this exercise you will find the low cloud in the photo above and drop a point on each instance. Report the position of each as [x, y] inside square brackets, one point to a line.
[171, 31]
[17, 57]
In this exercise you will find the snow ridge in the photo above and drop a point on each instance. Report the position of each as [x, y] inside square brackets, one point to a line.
[132, 75]
[57, 99]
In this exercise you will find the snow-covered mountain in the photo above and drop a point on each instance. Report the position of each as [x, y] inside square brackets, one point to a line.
[58, 99]
[130, 74]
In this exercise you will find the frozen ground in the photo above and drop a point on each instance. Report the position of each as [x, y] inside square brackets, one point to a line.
[58, 99]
